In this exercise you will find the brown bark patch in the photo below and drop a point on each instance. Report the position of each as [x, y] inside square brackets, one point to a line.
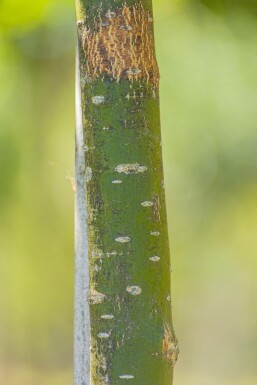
[121, 45]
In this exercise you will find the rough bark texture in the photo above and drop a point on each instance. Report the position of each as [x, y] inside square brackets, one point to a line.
[132, 337]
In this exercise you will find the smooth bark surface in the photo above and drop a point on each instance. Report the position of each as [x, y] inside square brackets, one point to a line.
[132, 337]
[82, 321]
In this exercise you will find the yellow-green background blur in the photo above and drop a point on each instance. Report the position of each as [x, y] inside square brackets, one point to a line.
[207, 53]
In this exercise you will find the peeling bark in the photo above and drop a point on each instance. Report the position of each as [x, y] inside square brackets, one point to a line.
[129, 300]
[120, 44]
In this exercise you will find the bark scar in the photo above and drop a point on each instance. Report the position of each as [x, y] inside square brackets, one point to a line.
[170, 346]
[121, 44]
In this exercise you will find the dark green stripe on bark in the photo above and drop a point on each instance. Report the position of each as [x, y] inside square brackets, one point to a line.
[132, 338]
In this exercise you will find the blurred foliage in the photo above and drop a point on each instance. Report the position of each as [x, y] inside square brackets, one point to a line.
[208, 60]
[225, 5]
[28, 14]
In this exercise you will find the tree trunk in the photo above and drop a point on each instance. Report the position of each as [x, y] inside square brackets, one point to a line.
[121, 231]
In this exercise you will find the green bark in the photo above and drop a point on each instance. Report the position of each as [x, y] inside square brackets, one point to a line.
[132, 338]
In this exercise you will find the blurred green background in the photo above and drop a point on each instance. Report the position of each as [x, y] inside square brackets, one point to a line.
[208, 60]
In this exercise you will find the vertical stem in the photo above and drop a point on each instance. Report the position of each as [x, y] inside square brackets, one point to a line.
[124, 212]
